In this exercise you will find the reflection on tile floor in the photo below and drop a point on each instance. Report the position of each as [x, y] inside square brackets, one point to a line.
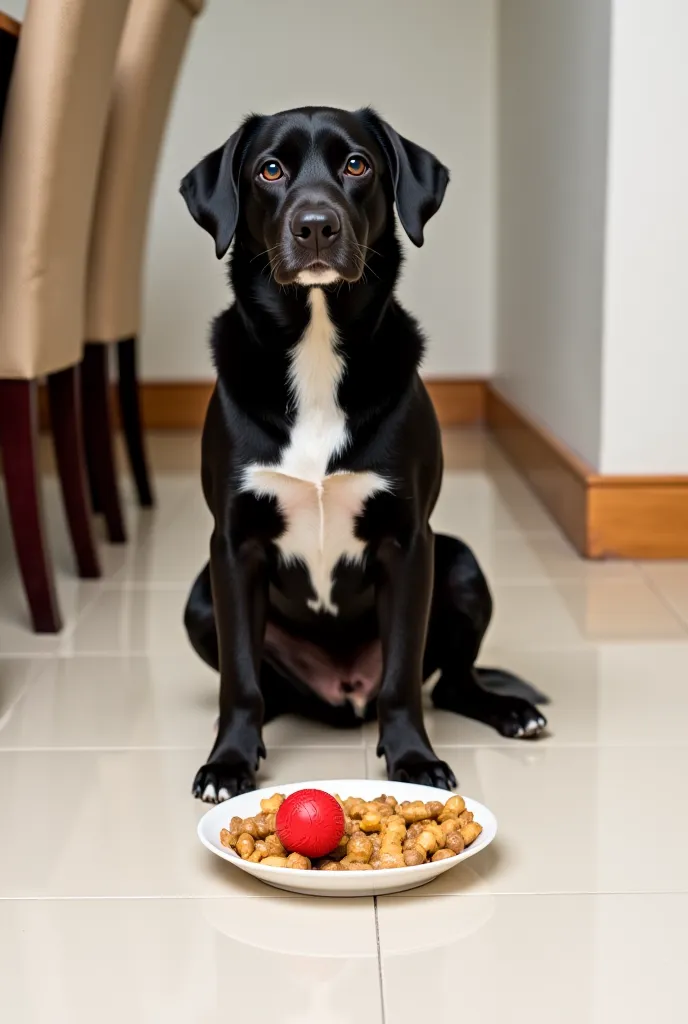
[183, 961]
[107, 897]
[542, 959]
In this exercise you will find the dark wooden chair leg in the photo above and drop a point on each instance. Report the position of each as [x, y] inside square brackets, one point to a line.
[19, 443]
[65, 421]
[130, 411]
[95, 499]
[100, 458]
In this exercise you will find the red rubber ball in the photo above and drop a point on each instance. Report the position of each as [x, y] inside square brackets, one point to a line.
[310, 822]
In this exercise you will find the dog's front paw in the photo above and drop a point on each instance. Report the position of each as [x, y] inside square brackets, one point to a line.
[219, 780]
[426, 772]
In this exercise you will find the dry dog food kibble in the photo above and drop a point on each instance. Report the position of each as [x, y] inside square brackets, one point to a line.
[378, 834]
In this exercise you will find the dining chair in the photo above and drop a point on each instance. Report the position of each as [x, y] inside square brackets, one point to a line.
[150, 56]
[50, 152]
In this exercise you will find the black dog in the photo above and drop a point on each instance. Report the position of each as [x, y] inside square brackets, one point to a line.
[326, 593]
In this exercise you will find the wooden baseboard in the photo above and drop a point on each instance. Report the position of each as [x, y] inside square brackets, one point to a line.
[181, 405]
[175, 405]
[164, 406]
[9, 25]
[458, 403]
[558, 478]
[603, 516]
[638, 517]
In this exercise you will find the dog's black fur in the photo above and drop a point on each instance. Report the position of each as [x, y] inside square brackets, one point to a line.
[422, 599]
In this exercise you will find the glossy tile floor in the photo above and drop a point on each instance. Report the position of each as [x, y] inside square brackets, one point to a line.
[111, 911]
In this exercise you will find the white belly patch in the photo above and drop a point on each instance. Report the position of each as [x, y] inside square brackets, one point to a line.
[319, 522]
[319, 509]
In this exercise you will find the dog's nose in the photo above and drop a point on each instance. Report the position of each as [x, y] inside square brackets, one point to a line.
[315, 227]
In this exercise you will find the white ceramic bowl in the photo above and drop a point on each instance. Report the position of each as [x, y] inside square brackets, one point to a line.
[341, 883]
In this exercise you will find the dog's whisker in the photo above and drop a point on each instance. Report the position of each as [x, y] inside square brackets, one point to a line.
[370, 249]
[275, 266]
[364, 264]
[272, 249]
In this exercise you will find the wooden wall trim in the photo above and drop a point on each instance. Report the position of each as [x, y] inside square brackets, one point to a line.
[181, 405]
[175, 405]
[458, 403]
[9, 24]
[603, 516]
[648, 520]
[557, 476]
[178, 405]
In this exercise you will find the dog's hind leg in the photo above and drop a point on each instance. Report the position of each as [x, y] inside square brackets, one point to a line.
[199, 620]
[459, 617]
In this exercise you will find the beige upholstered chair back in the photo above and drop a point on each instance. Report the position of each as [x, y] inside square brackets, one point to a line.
[150, 55]
[52, 141]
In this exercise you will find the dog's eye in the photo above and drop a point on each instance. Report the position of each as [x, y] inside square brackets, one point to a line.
[356, 166]
[271, 171]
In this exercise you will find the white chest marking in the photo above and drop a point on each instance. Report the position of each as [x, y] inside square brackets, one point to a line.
[319, 510]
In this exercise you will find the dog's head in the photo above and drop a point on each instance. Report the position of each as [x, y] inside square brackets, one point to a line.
[313, 189]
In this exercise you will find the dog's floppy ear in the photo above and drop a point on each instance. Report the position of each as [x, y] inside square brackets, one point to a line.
[418, 177]
[211, 188]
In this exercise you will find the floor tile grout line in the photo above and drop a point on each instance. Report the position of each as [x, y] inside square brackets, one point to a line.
[317, 747]
[659, 593]
[417, 894]
[582, 646]
[540, 579]
[169, 749]
[383, 1009]
[548, 744]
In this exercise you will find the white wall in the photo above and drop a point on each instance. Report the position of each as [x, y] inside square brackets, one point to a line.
[15, 8]
[592, 278]
[428, 67]
[553, 58]
[645, 409]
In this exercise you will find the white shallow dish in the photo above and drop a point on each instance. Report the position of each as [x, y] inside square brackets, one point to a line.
[341, 883]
